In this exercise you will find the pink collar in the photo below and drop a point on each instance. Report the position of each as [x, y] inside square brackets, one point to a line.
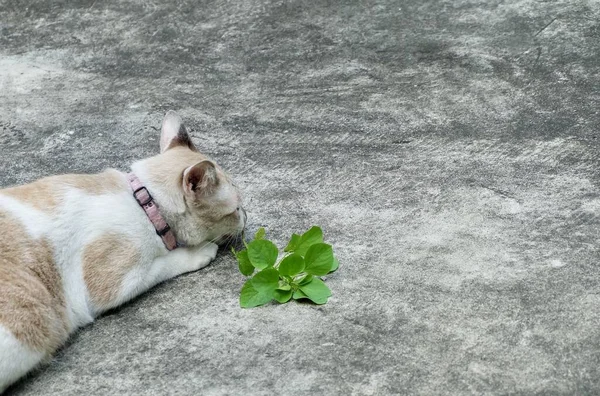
[143, 197]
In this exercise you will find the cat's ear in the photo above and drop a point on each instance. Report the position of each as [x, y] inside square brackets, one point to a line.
[173, 133]
[200, 179]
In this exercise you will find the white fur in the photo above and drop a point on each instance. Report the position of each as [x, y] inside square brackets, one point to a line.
[179, 261]
[94, 216]
[80, 219]
[15, 359]
[36, 223]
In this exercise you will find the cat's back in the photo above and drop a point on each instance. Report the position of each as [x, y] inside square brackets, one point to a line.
[38, 224]
[50, 194]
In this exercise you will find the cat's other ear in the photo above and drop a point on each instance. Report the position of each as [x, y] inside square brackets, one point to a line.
[173, 133]
[200, 179]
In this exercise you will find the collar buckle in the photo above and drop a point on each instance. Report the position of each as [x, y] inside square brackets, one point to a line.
[139, 201]
[146, 202]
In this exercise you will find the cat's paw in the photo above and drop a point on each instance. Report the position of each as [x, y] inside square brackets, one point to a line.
[201, 256]
[210, 249]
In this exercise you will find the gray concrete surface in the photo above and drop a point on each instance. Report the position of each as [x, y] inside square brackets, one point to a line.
[449, 149]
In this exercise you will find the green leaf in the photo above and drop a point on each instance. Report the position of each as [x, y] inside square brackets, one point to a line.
[298, 294]
[283, 296]
[335, 265]
[260, 234]
[266, 281]
[309, 238]
[243, 240]
[262, 253]
[294, 241]
[318, 259]
[244, 263]
[295, 276]
[317, 291]
[291, 265]
[307, 278]
[250, 297]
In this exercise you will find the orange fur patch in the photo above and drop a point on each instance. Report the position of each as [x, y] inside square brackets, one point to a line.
[32, 304]
[109, 181]
[106, 261]
[45, 194]
[41, 194]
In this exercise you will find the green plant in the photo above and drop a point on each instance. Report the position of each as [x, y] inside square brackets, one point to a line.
[294, 276]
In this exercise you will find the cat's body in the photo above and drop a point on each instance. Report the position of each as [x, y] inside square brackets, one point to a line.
[74, 246]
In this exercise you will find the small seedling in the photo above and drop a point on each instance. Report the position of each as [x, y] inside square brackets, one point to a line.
[294, 276]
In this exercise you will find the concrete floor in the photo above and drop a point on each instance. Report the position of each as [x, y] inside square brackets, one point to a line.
[449, 150]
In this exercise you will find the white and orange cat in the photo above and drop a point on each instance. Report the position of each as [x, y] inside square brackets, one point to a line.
[74, 246]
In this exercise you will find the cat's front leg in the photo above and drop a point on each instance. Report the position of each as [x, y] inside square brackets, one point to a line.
[197, 257]
[172, 264]
[185, 259]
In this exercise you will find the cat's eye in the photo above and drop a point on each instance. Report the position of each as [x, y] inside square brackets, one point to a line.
[233, 213]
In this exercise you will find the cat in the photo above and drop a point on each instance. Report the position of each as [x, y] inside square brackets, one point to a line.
[74, 246]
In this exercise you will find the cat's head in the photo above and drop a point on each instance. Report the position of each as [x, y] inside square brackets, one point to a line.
[197, 198]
